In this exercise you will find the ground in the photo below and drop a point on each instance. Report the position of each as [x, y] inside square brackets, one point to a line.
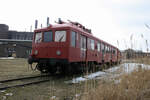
[54, 89]
[77, 87]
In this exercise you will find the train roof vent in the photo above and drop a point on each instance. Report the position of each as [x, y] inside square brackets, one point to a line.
[81, 26]
[74, 23]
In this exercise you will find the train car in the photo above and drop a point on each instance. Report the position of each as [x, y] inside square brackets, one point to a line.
[69, 47]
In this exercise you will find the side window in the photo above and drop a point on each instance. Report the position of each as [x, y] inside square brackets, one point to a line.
[103, 48]
[89, 43]
[113, 51]
[106, 48]
[82, 42]
[73, 39]
[48, 36]
[92, 45]
[98, 46]
[38, 37]
[60, 36]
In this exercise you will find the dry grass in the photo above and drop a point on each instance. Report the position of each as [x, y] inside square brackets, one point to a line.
[144, 60]
[13, 68]
[133, 86]
[56, 89]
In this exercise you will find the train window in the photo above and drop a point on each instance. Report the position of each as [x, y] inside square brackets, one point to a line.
[38, 37]
[109, 49]
[48, 36]
[98, 46]
[106, 48]
[60, 36]
[113, 51]
[92, 44]
[103, 48]
[73, 39]
[82, 42]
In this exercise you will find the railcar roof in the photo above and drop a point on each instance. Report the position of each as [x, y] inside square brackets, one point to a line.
[69, 25]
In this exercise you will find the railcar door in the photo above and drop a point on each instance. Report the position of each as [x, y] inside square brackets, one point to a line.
[83, 47]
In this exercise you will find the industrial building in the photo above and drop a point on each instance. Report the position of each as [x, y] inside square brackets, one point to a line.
[14, 43]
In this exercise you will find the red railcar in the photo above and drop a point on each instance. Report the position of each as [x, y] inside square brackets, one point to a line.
[69, 46]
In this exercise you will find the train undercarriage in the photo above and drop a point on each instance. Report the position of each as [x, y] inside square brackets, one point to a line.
[53, 66]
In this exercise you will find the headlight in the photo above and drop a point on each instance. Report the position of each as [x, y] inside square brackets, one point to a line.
[36, 52]
[58, 52]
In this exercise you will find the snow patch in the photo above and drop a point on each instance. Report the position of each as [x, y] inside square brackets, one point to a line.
[7, 58]
[9, 94]
[87, 77]
[125, 68]
[130, 67]
[3, 91]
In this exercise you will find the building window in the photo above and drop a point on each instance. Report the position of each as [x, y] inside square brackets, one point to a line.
[38, 37]
[48, 36]
[73, 39]
[60, 36]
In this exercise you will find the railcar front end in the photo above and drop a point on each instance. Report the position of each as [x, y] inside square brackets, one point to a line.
[50, 49]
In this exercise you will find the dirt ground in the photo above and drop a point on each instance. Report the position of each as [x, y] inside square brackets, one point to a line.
[56, 89]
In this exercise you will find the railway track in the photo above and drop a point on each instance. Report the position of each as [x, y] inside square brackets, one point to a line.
[25, 81]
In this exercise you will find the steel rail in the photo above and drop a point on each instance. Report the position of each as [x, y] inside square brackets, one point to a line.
[23, 78]
[25, 84]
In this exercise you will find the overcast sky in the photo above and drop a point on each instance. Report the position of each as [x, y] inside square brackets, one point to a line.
[110, 20]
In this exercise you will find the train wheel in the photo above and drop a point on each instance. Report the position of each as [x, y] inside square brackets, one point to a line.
[41, 68]
[87, 67]
[64, 69]
[92, 67]
[52, 69]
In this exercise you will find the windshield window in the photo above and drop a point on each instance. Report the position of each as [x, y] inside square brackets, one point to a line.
[38, 37]
[60, 36]
[48, 36]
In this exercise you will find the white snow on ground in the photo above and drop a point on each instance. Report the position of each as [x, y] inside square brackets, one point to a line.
[125, 68]
[90, 76]
[7, 58]
[129, 67]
